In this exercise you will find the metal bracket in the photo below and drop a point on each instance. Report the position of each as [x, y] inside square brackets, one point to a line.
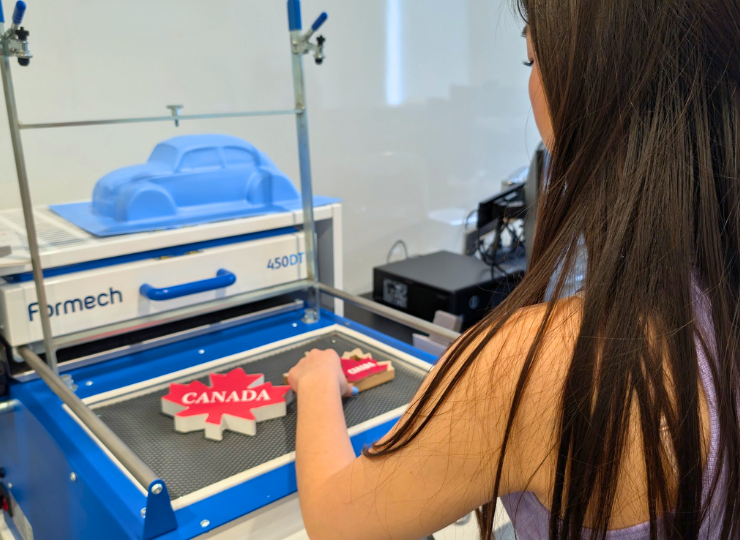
[159, 517]
[310, 316]
[18, 47]
[175, 109]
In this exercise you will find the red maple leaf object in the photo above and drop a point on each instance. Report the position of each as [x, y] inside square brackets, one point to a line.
[234, 401]
[359, 369]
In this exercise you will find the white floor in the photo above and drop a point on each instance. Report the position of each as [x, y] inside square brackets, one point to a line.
[282, 521]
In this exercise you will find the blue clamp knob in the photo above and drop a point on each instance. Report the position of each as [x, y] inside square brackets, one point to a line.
[19, 12]
[294, 15]
[320, 21]
[2, 15]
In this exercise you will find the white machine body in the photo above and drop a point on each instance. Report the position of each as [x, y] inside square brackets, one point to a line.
[95, 296]
[102, 296]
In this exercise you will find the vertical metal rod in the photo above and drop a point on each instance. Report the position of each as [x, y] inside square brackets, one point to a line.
[304, 156]
[33, 245]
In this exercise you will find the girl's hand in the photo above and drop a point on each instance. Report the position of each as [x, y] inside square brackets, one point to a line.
[320, 366]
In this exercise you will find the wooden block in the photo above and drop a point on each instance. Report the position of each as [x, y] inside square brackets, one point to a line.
[376, 380]
[357, 354]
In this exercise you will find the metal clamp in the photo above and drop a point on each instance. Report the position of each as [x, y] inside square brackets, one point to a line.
[15, 40]
[302, 43]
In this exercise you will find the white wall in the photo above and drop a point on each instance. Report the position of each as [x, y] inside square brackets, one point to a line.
[420, 110]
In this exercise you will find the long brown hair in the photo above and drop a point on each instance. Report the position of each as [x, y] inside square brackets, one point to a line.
[645, 171]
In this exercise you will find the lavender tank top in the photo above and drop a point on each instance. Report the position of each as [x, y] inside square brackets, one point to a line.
[531, 519]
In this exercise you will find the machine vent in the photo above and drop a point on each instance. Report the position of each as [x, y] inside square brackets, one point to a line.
[53, 231]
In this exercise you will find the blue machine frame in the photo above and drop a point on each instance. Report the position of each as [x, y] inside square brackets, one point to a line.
[48, 445]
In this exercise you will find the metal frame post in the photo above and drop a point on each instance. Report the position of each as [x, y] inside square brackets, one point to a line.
[304, 156]
[33, 245]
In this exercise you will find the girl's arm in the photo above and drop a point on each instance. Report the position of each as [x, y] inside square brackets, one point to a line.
[449, 469]
[323, 447]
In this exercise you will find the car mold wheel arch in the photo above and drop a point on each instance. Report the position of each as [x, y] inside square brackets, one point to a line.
[140, 201]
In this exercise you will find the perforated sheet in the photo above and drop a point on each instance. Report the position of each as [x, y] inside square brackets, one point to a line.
[189, 462]
[52, 232]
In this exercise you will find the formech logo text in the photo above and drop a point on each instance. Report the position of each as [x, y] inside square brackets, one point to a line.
[76, 305]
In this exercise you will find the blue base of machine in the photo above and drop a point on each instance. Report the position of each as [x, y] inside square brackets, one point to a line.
[85, 217]
[41, 445]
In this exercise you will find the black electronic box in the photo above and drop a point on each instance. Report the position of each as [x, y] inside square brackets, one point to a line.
[445, 281]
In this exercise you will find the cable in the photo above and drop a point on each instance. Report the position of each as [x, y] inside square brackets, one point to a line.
[494, 256]
[479, 245]
[495, 267]
[393, 248]
[516, 240]
[467, 219]
[520, 240]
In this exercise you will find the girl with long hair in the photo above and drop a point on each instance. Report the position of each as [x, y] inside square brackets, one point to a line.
[612, 413]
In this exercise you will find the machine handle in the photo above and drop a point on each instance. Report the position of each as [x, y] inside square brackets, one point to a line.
[320, 21]
[223, 279]
[2, 14]
[19, 12]
[294, 15]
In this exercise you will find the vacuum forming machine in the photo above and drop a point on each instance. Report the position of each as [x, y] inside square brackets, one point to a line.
[96, 324]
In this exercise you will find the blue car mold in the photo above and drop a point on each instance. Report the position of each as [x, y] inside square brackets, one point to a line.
[187, 180]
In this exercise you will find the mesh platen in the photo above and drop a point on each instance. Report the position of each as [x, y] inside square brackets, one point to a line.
[188, 462]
